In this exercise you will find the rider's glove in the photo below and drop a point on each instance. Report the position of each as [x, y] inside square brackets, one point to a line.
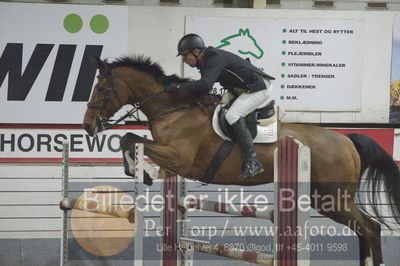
[227, 97]
[173, 87]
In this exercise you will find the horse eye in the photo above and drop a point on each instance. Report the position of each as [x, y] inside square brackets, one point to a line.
[100, 89]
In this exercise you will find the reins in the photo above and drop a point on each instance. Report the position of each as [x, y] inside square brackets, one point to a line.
[136, 107]
[180, 108]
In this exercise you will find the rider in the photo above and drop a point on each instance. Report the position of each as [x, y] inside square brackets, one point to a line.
[235, 74]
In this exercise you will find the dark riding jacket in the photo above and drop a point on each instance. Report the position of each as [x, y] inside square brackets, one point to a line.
[230, 70]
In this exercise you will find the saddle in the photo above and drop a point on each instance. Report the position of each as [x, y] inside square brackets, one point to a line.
[262, 124]
[252, 120]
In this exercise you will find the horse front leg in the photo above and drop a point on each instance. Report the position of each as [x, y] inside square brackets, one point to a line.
[161, 155]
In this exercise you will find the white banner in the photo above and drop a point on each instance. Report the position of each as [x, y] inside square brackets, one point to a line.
[45, 71]
[44, 144]
[396, 145]
[317, 63]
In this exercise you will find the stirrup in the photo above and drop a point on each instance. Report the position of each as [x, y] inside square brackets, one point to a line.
[251, 170]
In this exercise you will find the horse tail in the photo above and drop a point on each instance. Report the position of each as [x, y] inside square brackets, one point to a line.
[379, 168]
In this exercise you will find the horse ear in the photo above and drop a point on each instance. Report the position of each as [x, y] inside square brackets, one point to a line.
[100, 65]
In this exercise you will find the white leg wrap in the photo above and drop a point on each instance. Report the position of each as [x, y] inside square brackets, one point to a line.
[131, 162]
[368, 261]
[150, 170]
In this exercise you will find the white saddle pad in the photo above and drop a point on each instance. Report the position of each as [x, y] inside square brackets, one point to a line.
[265, 134]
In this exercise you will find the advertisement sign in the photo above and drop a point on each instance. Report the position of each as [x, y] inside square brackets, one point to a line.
[317, 63]
[44, 143]
[46, 74]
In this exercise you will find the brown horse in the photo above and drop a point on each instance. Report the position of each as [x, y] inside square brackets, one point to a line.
[184, 143]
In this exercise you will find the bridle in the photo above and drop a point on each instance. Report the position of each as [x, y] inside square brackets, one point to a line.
[134, 112]
[107, 99]
[102, 104]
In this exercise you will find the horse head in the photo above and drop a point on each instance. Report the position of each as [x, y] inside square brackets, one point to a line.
[130, 80]
[108, 96]
[243, 43]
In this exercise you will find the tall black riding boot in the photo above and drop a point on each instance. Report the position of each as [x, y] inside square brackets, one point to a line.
[245, 141]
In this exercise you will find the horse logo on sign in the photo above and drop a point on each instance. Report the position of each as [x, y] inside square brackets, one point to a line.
[243, 43]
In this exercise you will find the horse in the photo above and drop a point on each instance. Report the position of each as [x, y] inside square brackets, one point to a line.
[243, 43]
[184, 143]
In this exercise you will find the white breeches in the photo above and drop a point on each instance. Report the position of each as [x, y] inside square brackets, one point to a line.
[247, 103]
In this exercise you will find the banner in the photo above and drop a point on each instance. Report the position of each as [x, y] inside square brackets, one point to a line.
[46, 75]
[394, 115]
[44, 143]
[317, 63]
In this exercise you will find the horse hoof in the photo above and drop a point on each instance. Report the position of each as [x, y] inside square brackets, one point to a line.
[147, 179]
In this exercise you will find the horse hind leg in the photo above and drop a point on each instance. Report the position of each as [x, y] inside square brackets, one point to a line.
[365, 251]
[367, 230]
[375, 238]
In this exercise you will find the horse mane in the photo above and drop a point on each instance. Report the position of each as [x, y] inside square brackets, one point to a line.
[145, 64]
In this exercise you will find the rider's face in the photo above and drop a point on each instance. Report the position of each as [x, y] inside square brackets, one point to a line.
[189, 59]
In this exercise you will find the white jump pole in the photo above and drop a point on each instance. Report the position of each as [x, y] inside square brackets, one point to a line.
[225, 208]
[139, 167]
[64, 190]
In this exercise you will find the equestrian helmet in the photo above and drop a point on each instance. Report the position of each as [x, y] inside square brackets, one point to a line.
[189, 42]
